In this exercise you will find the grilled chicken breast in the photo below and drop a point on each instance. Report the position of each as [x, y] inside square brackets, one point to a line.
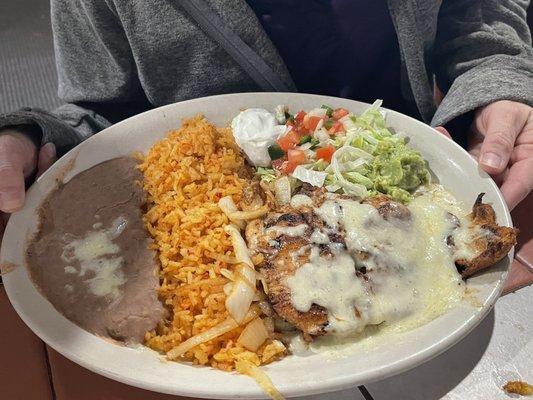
[284, 237]
[490, 247]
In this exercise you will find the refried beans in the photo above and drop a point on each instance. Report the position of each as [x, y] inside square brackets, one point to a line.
[90, 257]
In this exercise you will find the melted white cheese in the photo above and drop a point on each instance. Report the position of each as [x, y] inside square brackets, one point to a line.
[97, 253]
[69, 269]
[463, 238]
[411, 269]
[319, 237]
[465, 233]
[332, 284]
[299, 200]
[330, 211]
[254, 130]
[291, 231]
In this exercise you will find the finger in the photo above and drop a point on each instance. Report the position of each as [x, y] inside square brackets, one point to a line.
[3, 223]
[518, 182]
[501, 177]
[502, 126]
[474, 151]
[521, 152]
[47, 156]
[11, 188]
[444, 131]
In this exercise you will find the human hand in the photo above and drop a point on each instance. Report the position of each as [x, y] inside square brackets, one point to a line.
[502, 142]
[18, 160]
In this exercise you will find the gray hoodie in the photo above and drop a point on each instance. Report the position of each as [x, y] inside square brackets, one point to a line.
[116, 58]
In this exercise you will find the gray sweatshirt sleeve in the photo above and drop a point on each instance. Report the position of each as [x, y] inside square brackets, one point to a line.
[482, 54]
[96, 72]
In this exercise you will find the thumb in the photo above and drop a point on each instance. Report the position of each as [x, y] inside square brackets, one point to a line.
[500, 125]
[443, 131]
[17, 153]
[47, 156]
[11, 185]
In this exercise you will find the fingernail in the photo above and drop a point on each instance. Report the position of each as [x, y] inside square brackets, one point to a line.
[491, 160]
[49, 150]
[10, 202]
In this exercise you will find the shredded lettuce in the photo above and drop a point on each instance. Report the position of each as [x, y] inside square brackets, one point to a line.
[266, 174]
[315, 178]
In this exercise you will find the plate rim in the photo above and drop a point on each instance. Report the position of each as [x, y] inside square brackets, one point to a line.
[337, 383]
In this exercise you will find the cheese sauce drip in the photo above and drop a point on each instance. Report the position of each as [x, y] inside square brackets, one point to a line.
[291, 231]
[407, 271]
[96, 252]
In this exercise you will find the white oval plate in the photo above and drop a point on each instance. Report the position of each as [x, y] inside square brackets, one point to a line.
[294, 375]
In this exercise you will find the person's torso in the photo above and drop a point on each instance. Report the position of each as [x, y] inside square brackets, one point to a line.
[343, 48]
[176, 60]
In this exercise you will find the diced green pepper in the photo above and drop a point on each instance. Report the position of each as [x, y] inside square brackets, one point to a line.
[305, 139]
[288, 116]
[314, 143]
[328, 123]
[329, 110]
[275, 152]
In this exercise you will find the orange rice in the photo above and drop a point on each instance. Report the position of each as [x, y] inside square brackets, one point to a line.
[185, 175]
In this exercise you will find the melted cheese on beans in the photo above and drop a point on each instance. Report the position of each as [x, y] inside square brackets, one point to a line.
[411, 272]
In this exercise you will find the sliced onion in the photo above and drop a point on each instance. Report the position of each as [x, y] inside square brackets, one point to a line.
[310, 154]
[239, 300]
[248, 215]
[282, 189]
[269, 325]
[266, 308]
[227, 288]
[264, 283]
[247, 368]
[240, 248]
[347, 122]
[317, 112]
[253, 335]
[319, 125]
[210, 334]
[279, 113]
[322, 135]
[259, 296]
[243, 291]
[228, 207]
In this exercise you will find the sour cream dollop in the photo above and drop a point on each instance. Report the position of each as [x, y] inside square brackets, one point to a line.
[254, 130]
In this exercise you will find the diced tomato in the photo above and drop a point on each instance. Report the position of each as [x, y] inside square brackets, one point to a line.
[325, 153]
[336, 128]
[278, 163]
[286, 143]
[294, 136]
[339, 113]
[289, 141]
[296, 156]
[311, 122]
[301, 130]
[299, 117]
[287, 167]
[284, 166]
